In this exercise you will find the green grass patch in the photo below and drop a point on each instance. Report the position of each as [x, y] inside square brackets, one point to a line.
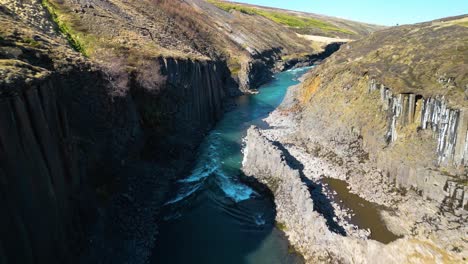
[281, 18]
[32, 42]
[293, 250]
[235, 69]
[65, 27]
[464, 24]
[281, 226]
[234, 65]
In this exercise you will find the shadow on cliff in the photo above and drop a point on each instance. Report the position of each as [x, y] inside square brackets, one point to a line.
[321, 203]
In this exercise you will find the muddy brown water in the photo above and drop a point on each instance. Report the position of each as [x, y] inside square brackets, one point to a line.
[366, 214]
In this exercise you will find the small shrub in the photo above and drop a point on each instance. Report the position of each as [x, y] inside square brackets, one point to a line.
[118, 70]
[32, 42]
[280, 226]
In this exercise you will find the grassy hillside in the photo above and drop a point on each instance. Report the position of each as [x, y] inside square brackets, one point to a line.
[303, 23]
[129, 35]
[427, 60]
[282, 17]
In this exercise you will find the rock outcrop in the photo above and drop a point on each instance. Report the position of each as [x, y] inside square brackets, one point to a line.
[62, 143]
[261, 68]
[306, 228]
[450, 131]
[449, 125]
[389, 119]
[72, 152]
[39, 176]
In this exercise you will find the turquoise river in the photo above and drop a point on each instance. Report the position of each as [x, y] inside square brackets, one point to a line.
[213, 217]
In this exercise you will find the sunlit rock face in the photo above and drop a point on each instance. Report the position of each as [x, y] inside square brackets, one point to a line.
[390, 119]
[269, 163]
[450, 126]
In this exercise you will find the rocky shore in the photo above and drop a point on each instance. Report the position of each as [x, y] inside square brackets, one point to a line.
[293, 169]
[389, 123]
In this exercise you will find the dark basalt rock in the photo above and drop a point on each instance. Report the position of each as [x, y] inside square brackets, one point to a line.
[64, 136]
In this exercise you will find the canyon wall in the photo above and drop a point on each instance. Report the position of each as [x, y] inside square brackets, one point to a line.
[64, 136]
[449, 125]
[419, 142]
[262, 66]
[449, 129]
[269, 163]
[389, 118]
[406, 105]
[40, 179]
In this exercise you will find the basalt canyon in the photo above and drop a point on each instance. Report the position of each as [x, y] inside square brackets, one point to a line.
[208, 131]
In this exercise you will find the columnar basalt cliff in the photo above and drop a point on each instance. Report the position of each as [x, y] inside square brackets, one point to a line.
[38, 206]
[69, 144]
[449, 125]
[308, 231]
[103, 103]
[64, 144]
[260, 69]
[450, 131]
[390, 120]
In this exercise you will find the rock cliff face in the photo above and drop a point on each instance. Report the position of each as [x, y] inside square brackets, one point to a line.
[193, 98]
[85, 143]
[308, 231]
[389, 119]
[417, 136]
[448, 125]
[56, 144]
[39, 178]
[449, 129]
[260, 69]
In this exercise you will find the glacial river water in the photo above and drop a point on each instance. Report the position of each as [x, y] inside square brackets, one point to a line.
[213, 217]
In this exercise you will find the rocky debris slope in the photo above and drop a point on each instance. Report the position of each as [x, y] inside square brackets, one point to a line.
[31, 14]
[389, 119]
[133, 31]
[307, 230]
[257, 43]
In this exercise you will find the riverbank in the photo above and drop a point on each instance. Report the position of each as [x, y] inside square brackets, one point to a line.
[386, 124]
[211, 216]
[321, 228]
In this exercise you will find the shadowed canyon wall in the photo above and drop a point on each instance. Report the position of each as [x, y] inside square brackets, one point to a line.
[64, 135]
[73, 135]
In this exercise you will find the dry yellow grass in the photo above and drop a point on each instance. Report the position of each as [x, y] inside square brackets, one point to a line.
[309, 90]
